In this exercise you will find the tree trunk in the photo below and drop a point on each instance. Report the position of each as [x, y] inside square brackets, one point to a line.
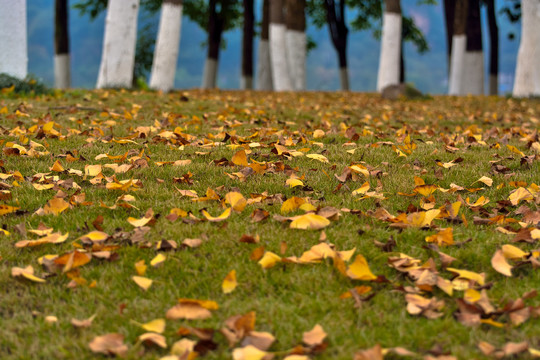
[459, 42]
[337, 27]
[13, 42]
[118, 55]
[401, 62]
[389, 61]
[264, 68]
[493, 48]
[449, 11]
[167, 46]
[527, 81]
[296, 42]
[215, 30]
[473, 66]
[278, 49]
[62, 77]
[247, 46]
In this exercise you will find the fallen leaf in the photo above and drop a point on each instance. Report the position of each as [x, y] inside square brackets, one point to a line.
[269, 260]
[315, 336]
[109, 344]
[359, 269]
[229, 283]
[309, 221]
[499, 263]
[143, 282]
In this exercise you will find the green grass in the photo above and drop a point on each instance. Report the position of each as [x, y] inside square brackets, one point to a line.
[288, 299]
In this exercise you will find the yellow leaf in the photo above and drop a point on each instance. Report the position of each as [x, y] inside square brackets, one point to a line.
[315, 336]
[469, 275]
[57, 167]
[240, 158]
[224, 216]
[151, 338]
[143, 282]
[291, 204]
[316, 134]
[512, 252]
[269, 260]
[142, 221]
[6, 209]
[157, 326]
[309, 221]
[443, 237]
[317, 157]
[95, 236]
[92, 170]
[55, 238]
[485, 180]
[229, 283]
[359, 269]
[480, 202]
[179, 212]
[27, 273]
[236, 200]
[140, 267]
[520, 194]
[55, 206]
[158, 260]
[191, 309]
[515, 150]
[362, 189]
[43, 186]
[294, 183]
[425, 190]
[249, 352]
[500, 264]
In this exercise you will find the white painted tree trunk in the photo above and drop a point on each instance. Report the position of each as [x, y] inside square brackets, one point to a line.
[62, 72]
[455, 81]
[167, 47]
[13, 42]
[527, 81]
[118, 56]
[278, 55]
[473, 73]
[296, 57]
[390, 51]
[210, 74]
[264, 67]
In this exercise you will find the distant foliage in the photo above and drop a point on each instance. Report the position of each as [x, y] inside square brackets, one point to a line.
[28, 86]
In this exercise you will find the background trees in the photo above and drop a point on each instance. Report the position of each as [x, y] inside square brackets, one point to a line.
[13, 43]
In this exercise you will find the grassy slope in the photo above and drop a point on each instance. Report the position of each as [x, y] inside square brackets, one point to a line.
[288, 299]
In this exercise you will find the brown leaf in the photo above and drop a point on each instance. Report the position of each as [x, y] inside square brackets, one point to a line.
[109, 344]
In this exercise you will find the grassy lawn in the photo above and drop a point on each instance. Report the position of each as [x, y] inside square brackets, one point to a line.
[261, 145]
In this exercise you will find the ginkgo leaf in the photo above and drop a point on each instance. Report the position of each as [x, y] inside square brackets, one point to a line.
[55, 238]
[469, 275]
[317, 157]
[95, 236]
[443, 237]
[55, 206]
[499, 263]
[57, 167]
[362, 189]
[156, 326]
[240, 158]
[269, 260]
[512, 252]
[249, 352]
[309, 221]
[152, 338]
[291, 204]
[315, 336]
[92, 170]
[485, 180]
[520, 194]
[27, 273]
[294, 183]
[109, 344]
[158, 260]
[6, 209]
[191, 309]
[143, 282]
[140, 267]
[83, 323]
[139, 222]
[359, 269]
[236, 200]
[224, 215]
[229, 283]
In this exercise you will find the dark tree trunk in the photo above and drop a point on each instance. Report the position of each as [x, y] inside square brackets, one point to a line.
[335, 16]
[474, 27]
[61, 37]
[296, 18]
[215, 28]
[460, 17]
[247, 42]
[401, 63]
[449, 12]
[276, 12]
[493, 48]
[265, 20]
[392, 6]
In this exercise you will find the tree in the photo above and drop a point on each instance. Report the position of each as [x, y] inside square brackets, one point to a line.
[247, 45]
[13, 42]
[527, 80]
[167, 46]
[389, 62]
[449, 11]
[118, 55]
[473, 66]
[296, 40]
[493, 48]
[278, 48]
[459, 42]
[335, 15]
[62, 77]
[264, 67]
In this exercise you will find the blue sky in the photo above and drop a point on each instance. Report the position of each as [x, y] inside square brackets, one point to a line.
[427, 71]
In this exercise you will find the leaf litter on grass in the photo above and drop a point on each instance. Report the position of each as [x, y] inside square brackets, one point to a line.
[453, 174]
